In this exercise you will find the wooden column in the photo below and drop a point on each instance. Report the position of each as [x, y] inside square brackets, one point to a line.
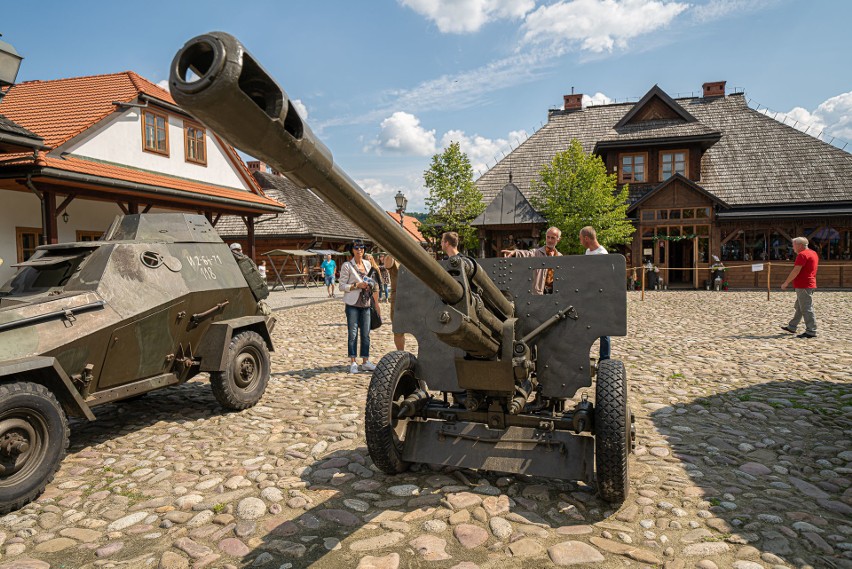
[250, 232]
[48, 216]
[132, 207]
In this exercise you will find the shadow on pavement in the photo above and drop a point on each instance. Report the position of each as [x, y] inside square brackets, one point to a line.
[385, 514]
[768, 462]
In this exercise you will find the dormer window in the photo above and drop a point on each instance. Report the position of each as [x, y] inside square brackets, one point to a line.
[673, 162]
[155, 132]
[194, 143]
[632, 168]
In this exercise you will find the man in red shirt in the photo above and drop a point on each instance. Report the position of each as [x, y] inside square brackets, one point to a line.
[803, 277]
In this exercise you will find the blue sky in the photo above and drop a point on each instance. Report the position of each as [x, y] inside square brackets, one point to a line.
[387, 83]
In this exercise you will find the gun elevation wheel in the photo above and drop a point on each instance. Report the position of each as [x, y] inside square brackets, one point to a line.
[242, 383]
[391, 383]
[33, 440]
[613, 435]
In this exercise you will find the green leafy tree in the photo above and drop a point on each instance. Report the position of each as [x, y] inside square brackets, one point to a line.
[454, 201]
[574, 191]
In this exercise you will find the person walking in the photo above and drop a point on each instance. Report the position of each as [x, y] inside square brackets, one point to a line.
[803, 277]
[543, 279]
[329, 267]
[357, 289]
[385, 282]
[589, 240]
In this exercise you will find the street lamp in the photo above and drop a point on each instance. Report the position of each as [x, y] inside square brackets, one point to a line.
[10, 62]
[401, 204]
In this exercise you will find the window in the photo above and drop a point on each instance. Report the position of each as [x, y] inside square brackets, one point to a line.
[647, 215]
[89, 235]
[155, 132]
[672, 163]
[194, 147]
[27, 239]
[632, 168]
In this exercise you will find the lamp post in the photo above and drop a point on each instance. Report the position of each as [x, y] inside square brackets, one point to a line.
[401, 204]
[10, 62]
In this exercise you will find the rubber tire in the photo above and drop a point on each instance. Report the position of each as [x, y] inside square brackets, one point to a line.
[36, 400]
[225, 387]
[392, 381]
[612, 432]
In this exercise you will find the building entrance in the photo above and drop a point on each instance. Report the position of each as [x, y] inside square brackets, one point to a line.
[681, 258]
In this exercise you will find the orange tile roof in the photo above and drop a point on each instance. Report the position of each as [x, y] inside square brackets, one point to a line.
[410, 224]
[60, 109]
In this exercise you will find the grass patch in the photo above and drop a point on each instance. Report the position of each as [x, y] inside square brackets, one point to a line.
[219, 508]
[745, 397]
[676, 376]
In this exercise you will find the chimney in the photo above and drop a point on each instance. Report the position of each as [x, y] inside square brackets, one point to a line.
[714, 89]
[573, 102]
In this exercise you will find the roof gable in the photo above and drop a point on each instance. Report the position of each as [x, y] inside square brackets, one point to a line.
[654, 106]
[683, 180]
[509, 207]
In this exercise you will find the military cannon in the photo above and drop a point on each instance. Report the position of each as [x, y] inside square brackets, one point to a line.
[505, 361]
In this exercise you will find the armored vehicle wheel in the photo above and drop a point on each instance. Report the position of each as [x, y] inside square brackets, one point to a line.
[612, 431]
[243, 381]
[391, 383]
[33, 440]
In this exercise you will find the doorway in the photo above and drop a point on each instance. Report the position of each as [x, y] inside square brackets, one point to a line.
[682, 257]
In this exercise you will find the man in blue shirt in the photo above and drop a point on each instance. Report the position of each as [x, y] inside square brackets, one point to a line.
[328, 269]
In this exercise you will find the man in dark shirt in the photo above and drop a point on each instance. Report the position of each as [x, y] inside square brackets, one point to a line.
[803, 277]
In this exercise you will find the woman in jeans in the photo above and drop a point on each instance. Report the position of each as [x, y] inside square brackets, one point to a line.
[357, 289]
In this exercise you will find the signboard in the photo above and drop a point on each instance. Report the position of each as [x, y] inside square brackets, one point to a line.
[647, 251]
[757, 267]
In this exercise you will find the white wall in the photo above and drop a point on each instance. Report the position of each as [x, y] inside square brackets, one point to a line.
[118, 139]
[23, 209]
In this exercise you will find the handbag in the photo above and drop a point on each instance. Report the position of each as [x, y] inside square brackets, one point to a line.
[375, 319]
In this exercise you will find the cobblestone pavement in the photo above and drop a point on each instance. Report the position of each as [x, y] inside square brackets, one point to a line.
[743, 459]
[299, 296]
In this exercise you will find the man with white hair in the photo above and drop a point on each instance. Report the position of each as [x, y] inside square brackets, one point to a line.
[803, 277]
[543, 279]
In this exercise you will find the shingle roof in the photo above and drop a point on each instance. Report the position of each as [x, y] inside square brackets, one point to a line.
[60, 109]
[305, 214]
[757, 160]
[658, 129]
[10, 126]
[509, 207]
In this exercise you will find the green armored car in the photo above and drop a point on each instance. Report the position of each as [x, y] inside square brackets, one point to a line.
[159, 299]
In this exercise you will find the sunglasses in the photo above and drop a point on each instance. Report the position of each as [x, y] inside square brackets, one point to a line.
[358, 247]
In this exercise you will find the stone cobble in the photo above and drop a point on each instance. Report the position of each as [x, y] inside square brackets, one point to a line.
[743, 459]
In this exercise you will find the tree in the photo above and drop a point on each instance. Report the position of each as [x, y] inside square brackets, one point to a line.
[574, 191]
[453, 200]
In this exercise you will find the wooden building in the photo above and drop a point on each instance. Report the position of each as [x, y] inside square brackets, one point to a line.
[307, 222]
[508, 222]
[708, 176]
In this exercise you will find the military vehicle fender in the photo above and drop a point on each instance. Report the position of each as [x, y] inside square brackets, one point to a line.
[213, 350]
[46, 371]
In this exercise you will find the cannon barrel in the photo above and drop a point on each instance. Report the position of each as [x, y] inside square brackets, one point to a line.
[220, 83]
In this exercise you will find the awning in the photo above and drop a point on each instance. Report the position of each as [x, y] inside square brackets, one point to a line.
[327, 252]
[294, 252]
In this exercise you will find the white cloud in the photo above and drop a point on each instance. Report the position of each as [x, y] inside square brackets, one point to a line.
[300, 108]
[598, 25]
[401, 132]
[831, 118]
[596, 99]
[383, 193]
[481, 150]
[718, 9]
[164, 84]
[464, 16]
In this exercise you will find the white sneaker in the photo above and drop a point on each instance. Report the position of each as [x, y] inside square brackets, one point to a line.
[353, 368]
[369, 366]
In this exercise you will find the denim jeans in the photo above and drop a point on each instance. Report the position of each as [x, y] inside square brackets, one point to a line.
[804, 307]
[383, 290]
[605, 348]
[358, 318]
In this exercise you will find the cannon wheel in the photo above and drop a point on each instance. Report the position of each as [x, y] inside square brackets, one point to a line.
[391, 383]
[33, 440]
[242, 383]
[613, 431]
